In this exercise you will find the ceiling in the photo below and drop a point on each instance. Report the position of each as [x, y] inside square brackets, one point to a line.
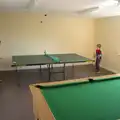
[64, 6]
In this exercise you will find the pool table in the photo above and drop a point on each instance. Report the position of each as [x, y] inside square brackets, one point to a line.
[95, 98]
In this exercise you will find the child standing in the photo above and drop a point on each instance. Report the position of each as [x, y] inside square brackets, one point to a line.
[98, 57]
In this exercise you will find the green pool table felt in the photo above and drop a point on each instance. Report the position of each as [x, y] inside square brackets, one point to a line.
[99, 100]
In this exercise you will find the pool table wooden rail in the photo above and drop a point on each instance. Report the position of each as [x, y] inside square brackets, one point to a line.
[40, 107]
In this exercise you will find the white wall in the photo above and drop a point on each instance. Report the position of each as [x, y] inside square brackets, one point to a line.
[22, 33]
[107, 32]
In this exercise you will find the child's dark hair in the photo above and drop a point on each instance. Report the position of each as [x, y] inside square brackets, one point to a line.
[99, 45]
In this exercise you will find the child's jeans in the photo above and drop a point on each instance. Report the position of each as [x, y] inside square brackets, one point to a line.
[97, 64]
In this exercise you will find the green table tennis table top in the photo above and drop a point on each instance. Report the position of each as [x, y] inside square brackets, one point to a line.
[42, 59]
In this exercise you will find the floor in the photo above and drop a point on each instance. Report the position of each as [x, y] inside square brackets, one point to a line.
[16, 101]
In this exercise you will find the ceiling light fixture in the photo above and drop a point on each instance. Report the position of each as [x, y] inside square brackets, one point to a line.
[95, 9]
[109, 3]
[118, 2]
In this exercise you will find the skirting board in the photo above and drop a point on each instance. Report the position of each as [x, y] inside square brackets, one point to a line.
[44, 66]
[110, 69]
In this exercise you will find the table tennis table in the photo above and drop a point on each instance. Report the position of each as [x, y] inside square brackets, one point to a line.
[32, 60]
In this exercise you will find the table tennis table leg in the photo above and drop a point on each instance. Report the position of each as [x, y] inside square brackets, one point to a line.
[52, 66]
[64, 74]
[40, 69]
[73, 68]
[17, 74]
[49, 72]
